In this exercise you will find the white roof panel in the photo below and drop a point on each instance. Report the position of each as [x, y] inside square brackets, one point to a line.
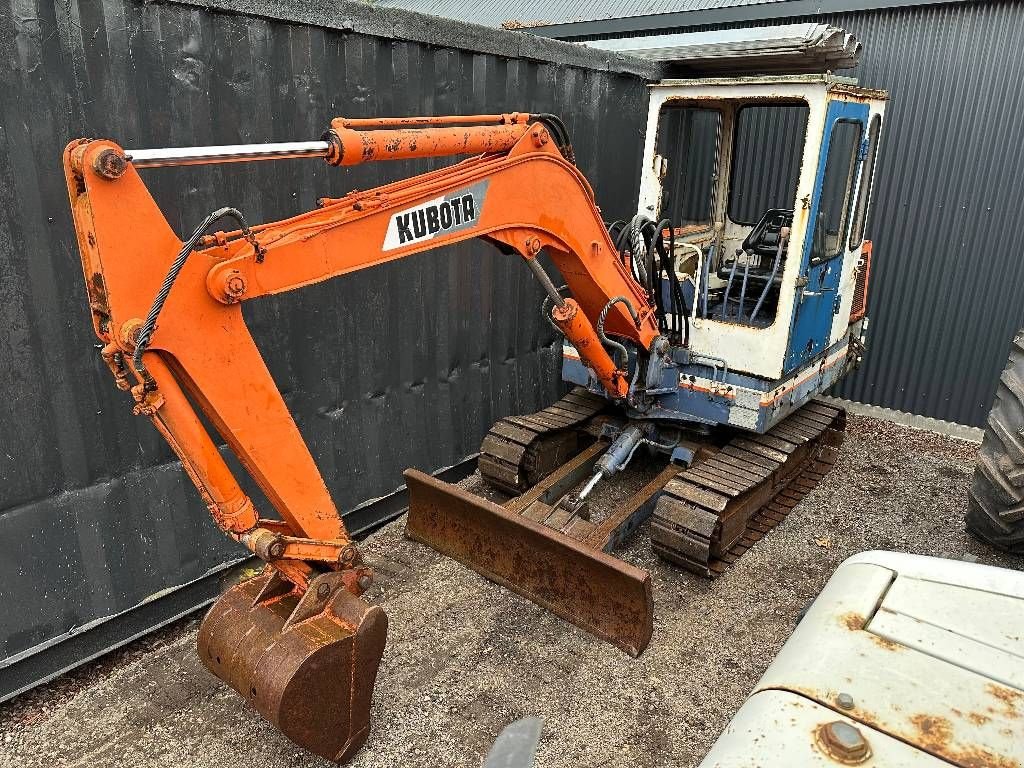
[788, 47]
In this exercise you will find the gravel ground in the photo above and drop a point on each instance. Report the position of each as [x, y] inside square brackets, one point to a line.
[466, 657]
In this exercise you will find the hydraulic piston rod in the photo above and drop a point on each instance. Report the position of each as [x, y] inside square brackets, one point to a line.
[354, 141]
[228, 153]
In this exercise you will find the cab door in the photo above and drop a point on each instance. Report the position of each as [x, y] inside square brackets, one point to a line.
[821, 266]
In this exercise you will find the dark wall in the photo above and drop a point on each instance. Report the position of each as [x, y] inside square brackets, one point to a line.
[406, 364]
[947, 290]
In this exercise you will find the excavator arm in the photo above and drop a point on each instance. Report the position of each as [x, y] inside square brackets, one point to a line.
[169, 315]
[526, 198]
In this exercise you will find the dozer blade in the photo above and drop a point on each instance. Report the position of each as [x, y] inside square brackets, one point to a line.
[596, 592]
[306, 664]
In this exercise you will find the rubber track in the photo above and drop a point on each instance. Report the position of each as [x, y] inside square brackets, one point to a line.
[713, 512]
[995, 505]
[512, 457]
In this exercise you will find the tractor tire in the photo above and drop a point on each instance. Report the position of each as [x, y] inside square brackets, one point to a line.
[995, 507]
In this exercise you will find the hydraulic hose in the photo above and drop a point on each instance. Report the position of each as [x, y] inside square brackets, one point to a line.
[673, 278]
[608, 342]
[639, 248]
[558, 132]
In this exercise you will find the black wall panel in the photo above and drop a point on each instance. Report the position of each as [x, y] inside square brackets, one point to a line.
[406, 364]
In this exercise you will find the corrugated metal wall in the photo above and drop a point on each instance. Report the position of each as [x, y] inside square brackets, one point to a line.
[403, 365]
[947, 284]
[947, 291]
[782, 128]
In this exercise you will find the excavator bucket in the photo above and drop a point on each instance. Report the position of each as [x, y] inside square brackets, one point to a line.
[307, 664]
[596, 592]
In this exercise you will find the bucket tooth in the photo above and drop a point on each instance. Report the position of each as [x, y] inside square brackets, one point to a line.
[307, 664]
[593, 590]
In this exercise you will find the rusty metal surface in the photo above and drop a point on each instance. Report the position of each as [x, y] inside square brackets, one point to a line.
[307, 665]
[618, 526]
[780, 729]
[596, 592]
[104, 517]
[940, 692]
[352, 146]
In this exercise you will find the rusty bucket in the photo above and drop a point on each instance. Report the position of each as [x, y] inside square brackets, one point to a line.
[307, 664]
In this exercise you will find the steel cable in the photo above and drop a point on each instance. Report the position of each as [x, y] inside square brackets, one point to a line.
[149, 326]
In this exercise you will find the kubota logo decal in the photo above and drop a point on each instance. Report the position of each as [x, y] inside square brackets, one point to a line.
[458, 210]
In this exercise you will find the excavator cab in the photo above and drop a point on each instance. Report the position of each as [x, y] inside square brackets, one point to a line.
[767, 181]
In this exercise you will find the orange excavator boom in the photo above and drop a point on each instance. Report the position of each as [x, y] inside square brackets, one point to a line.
[169, 315]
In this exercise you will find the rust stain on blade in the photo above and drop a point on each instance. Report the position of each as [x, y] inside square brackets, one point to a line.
[596, 592]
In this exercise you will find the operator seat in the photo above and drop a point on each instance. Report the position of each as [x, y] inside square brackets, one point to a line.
[763, 242]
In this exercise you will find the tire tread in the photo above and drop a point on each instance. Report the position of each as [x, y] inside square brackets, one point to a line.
[995, 506]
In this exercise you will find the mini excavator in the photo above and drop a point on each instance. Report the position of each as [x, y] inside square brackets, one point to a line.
[702, 341]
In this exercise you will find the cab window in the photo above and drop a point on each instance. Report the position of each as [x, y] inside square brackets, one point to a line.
[767, 152]
[688, 139]
[836, 196]
[860, 213]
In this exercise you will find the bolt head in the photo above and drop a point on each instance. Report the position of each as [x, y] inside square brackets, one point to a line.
[347, 555]
[323, 591]
[844, 742]
[276, 549]
[844, 701]
[365, 581]
[234, 284]
[110, 164]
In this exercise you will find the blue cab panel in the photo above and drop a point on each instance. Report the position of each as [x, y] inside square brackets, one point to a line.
[817, 306]
[705, 396]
